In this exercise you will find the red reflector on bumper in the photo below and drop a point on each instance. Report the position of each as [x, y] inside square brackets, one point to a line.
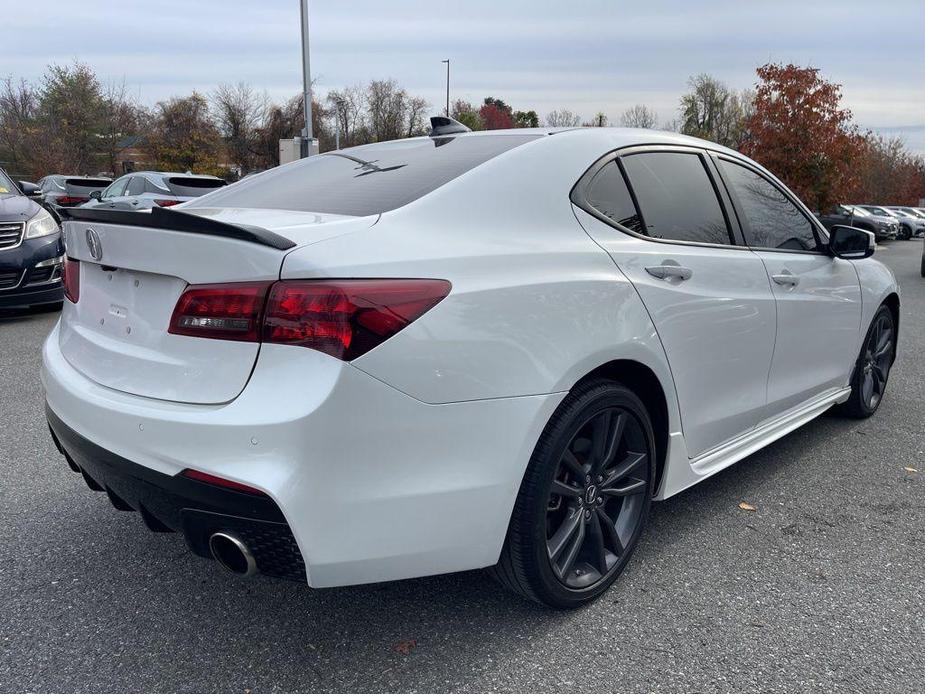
[220, 482]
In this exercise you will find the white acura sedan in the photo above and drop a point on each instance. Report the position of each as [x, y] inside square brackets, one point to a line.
[466, 350]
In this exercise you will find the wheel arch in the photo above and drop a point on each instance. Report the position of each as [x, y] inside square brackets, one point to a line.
[643, 381]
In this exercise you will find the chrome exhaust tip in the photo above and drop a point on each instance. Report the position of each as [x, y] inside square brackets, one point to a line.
[232, 554]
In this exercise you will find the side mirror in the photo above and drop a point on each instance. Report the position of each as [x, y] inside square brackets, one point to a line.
[96, 194]
[851, 243]
[30, 189]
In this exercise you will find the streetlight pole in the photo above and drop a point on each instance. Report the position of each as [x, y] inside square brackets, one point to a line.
[308, 137]
[447, 61]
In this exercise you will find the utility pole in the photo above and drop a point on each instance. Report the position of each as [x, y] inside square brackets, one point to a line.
[447, 61]
[307, 136]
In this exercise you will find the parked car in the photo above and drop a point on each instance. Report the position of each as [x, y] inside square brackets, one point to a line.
[31, 250]
[466, 350]
[917, 218]
[143, 190]
[908, 227]
[59, 190]
[852, 215]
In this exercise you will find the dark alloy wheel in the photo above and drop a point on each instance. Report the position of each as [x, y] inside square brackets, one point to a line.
[905, 232]
[584, 500]
[872, 370]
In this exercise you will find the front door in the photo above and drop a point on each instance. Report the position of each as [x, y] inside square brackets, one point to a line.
[818, 296]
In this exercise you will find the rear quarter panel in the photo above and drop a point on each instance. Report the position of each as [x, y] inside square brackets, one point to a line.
[535, 304]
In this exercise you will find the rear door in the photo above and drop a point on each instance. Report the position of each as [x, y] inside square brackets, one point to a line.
[818, 296]
[660, 215]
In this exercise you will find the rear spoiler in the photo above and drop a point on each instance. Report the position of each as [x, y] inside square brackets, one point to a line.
[175, 220]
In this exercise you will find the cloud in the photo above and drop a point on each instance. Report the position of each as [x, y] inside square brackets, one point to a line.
[590, 56]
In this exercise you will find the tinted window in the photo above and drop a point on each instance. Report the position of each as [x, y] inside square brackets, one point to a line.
[136, 186]
[186, 186]
[364, 180]
[116, 189]
[6, 185]
[771, 220]
[676, 197]
[609, 195]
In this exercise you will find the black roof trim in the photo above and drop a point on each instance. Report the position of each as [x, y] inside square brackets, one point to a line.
[175, 220]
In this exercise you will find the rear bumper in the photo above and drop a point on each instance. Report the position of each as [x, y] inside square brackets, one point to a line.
[373, 484]
[179, 504]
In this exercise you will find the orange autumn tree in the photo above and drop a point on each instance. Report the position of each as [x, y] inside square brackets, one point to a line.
[799, 131]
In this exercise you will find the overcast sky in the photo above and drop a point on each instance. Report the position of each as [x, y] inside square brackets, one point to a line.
[584, 55]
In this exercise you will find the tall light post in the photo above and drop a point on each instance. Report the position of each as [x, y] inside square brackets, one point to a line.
[308, 137]
[447, 61]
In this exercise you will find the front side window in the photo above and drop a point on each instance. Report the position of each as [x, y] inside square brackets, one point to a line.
[609, 195]
[676, 197]
[116, 189]
[6, 185]
[771, 219]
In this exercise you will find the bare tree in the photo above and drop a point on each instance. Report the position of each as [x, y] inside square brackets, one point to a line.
[387, 104]
[347, 111]
[121, 117]
[639, 116]
[239, 111]
[415, 115]
[18, 113]
[714, 112]
[562, 119]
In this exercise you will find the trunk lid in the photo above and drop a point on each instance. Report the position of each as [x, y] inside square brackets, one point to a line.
[131, 277]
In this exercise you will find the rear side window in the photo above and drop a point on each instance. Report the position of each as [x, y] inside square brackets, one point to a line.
[676, 197]
[136, 186]
[608, 194]
[771, 219]
[365, 180]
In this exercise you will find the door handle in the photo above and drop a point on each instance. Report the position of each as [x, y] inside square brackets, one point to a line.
[786, 279]
[670, 270]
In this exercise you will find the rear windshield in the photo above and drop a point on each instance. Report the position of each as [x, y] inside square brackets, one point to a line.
[86, 185]
[184, 186]
[365, 180]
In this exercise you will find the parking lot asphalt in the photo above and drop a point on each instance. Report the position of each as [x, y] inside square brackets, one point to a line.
[821, 588]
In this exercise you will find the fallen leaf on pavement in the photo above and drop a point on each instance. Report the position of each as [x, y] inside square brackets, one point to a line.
[405, 647]
[910, 469]
[747, 507]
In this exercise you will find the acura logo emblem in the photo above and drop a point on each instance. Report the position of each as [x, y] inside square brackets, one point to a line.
[94, 244]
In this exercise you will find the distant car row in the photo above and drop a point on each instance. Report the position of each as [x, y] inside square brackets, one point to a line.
[140, 190]
[889, 222]
[31, 249]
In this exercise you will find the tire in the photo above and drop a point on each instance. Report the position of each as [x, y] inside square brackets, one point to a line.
[601, 428]
[923, 265]
[905, 232]
[872, 368]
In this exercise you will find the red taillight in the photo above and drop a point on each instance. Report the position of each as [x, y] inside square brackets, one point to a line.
[220, 482]
[346, 318]
[225, 311]
[72, 200]
[343, 318]
[166, 203]
[70, 277]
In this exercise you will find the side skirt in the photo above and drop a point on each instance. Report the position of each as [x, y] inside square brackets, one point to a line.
[683, 472]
